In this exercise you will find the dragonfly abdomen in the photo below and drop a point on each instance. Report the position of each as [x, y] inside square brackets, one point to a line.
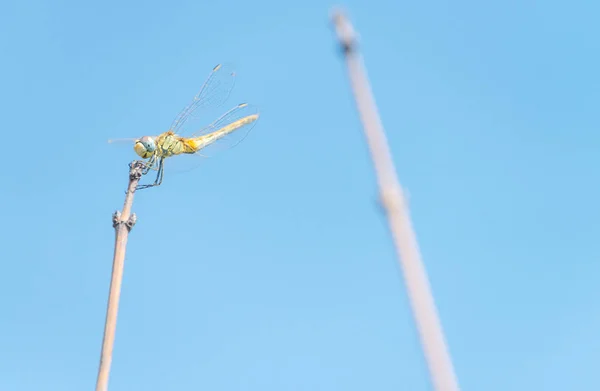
[202, 141]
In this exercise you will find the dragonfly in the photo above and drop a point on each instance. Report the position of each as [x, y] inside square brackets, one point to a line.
[182, 139]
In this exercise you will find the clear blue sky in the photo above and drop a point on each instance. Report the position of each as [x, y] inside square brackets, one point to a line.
[270, 267]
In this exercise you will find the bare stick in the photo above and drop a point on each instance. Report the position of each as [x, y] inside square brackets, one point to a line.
[122, 222]
[419, 292]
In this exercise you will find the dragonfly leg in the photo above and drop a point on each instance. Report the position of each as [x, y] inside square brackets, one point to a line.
[149, 165]
[161, 170]
[159, 175]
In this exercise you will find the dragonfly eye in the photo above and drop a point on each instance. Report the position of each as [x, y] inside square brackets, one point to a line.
[141, 150]
[148, 143]
[145, 147]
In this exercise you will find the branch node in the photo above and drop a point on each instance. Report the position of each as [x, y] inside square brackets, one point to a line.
[344, 30]
[135, 169]
[131, 221]
[116, 218]
[391, 198]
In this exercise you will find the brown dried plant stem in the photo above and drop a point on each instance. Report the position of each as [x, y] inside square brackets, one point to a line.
[123, 222]
[419, 292]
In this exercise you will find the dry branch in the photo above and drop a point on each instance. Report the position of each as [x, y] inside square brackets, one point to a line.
[123, 222]
[415, 276]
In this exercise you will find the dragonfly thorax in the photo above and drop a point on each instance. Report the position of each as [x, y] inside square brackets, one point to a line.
[145, 147]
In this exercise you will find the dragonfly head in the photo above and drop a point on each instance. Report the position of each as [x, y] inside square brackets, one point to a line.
[145, 147]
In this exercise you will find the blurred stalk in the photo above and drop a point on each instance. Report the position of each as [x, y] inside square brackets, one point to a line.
[123, 222]
[392, 198]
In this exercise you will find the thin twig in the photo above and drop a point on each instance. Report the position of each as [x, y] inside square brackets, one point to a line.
[122, 222]
[419, 292]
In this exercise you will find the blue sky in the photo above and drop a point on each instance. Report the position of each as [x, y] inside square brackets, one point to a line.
[270, 267]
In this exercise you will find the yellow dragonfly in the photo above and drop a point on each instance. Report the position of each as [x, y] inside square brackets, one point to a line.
[179, 141]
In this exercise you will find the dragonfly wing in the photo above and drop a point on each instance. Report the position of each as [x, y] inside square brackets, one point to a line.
[224, 133]
[213, 93]
[227, 131]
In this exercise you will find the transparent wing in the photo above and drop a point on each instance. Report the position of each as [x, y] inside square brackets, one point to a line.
[224, 133]
[214, 92]
[228, 130]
